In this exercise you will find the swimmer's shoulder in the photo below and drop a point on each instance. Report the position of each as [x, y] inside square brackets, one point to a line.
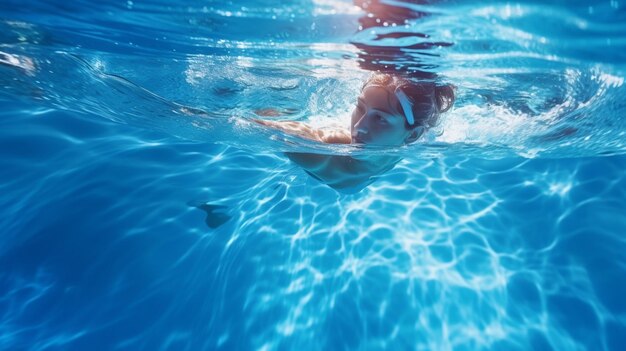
[335, 136]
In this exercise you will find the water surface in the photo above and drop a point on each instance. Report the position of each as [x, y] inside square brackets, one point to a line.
[141, 210]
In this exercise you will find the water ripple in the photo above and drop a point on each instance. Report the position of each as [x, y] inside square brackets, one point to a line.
[141, 209]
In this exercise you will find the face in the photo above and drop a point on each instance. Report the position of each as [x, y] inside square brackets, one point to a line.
[377, 121]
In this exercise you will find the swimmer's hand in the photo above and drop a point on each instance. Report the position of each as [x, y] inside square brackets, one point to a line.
[303, 130]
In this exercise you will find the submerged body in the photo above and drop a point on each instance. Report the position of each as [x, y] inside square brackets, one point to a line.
[347, 174]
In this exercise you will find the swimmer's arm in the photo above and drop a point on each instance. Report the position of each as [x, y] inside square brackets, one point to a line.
[305, 131]
[336, 136]
[294, 128]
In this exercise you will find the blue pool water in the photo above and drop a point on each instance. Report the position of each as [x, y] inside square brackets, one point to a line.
[141, 210]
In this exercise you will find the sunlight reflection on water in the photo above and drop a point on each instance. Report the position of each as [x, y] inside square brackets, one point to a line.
[141, 211]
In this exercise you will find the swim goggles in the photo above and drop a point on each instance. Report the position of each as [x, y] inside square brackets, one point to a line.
[405, 104]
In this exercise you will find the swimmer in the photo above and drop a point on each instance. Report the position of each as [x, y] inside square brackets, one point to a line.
[391, 111]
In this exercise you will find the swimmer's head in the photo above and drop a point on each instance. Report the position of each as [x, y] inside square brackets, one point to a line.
[394, 111]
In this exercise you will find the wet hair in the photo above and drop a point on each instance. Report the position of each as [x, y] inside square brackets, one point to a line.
[428, 100]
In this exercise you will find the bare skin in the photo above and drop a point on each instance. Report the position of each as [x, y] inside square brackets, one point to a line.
[375, 121]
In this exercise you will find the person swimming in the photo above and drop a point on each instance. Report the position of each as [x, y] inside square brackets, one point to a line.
[390, 111]
[397, 104]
